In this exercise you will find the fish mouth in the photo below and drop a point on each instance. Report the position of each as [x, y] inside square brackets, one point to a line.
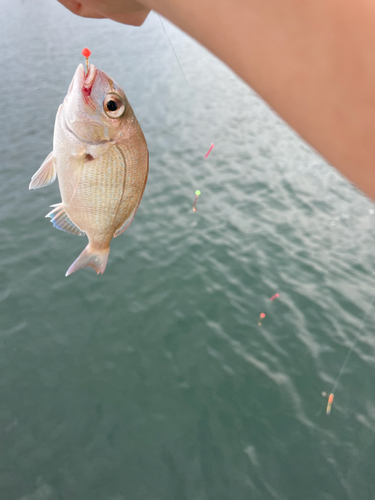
[84, 81]
[89, 79]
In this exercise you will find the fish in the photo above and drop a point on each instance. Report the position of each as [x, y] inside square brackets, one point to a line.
[100, 158]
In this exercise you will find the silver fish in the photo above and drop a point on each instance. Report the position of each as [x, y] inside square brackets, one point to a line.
[100, 157]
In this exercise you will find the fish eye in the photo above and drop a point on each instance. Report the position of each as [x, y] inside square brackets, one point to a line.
[113, 105]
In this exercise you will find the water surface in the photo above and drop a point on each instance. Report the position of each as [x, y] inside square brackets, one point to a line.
[154, 381]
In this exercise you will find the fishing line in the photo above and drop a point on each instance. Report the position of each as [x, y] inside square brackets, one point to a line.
[174, 52]
[353, 344]
[348, 354]
[197, 192]
[262, 315]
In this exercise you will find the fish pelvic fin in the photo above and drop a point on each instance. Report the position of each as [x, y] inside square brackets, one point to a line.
[90, 257]
[45, 175]
[61, 220]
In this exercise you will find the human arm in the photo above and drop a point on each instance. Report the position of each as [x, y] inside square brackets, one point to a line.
[313, 61]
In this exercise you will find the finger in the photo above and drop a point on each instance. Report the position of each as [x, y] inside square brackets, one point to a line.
[132, 18]
[80, 10]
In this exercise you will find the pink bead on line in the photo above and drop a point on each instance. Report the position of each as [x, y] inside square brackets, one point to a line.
[209, 151]
[86, 53]
[262, 315]
[275, 296]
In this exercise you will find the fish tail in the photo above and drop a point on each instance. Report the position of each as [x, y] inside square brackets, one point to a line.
[90, 257]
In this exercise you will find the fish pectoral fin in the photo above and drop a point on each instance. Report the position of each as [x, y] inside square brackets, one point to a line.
[45, 175]
[61, 220]
[77, 164]
[125, 224]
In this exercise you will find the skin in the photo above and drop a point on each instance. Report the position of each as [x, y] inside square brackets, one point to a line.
[311, 60]
[128, 12]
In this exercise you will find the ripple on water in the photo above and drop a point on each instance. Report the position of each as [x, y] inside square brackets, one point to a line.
[158, 368]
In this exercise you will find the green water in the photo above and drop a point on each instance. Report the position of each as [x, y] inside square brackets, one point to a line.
[154, 381]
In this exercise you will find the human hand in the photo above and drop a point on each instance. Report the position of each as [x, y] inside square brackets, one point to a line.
[123, 11]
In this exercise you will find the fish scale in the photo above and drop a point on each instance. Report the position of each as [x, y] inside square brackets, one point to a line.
[98, 195]
[135, 174]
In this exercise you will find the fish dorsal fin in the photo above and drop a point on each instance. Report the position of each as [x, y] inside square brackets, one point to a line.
[45, 175]
[61, 220]
[125, 224]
